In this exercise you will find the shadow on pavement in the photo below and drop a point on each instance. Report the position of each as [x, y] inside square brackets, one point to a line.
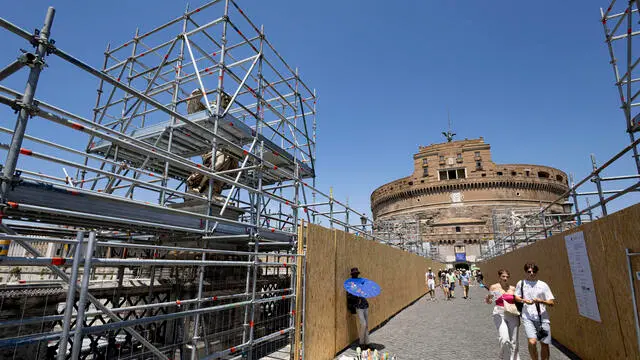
[374, 346]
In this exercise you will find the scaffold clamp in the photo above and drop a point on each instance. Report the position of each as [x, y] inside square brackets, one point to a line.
[13, 181]
[29, 59]
[37, 40]
[32, 109]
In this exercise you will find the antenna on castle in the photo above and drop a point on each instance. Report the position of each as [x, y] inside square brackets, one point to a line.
[449, 135]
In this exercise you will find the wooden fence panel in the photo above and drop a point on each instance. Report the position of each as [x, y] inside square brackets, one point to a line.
[605, 239]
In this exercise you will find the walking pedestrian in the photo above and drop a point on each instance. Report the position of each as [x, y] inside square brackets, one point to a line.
[536, 296]
[502, 295]
[360, 306]
[451, 278]
[430, 279]
[464, 280]
[444, 283]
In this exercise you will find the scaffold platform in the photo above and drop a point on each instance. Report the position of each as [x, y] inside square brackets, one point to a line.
[189, 141]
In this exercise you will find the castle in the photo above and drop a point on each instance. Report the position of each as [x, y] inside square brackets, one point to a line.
[454, 190]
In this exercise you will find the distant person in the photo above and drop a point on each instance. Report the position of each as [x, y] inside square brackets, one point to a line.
[479, 277]
[360, 306]
[444, 283]
[536, 296]
[430, 280]
[506, 323]
[464, 281]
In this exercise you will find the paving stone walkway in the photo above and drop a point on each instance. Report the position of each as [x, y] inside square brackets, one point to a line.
[444, 330]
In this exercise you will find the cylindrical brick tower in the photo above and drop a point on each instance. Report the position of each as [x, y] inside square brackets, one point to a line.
[454, 189]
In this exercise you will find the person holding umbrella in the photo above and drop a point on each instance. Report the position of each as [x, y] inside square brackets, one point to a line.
[357, 292]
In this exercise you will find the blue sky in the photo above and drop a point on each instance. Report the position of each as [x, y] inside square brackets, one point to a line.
[533, 79]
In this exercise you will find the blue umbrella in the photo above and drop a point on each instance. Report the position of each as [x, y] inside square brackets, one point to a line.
[362, 287]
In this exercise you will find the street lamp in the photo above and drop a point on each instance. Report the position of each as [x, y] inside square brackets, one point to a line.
[363, 221]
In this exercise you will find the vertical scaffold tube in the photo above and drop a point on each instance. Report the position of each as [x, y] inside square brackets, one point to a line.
[71, 296]
[598, 182]
[27, 104]
[254, 267]
[86, 275]
[574, 195]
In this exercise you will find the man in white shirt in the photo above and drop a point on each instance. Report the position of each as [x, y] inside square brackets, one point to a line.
[536, 296]
[430, 279]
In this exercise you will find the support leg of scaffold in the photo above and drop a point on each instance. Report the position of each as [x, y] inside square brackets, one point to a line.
[196, 322]
[82, 301]
[61, 274]
[598, 182]
[636, 156]
[71, 295]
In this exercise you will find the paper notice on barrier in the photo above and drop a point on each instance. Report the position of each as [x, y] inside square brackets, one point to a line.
[582, 278]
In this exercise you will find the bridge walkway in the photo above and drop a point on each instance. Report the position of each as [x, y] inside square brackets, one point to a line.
[459, 329]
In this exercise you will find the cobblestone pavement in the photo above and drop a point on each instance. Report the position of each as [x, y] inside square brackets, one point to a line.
[443, 330]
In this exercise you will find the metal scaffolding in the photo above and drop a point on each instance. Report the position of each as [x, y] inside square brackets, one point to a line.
[404, 233]
[621, 26]
[138, 263]
[510, 230]
[516, 228]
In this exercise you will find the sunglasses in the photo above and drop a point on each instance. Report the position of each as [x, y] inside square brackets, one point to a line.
[531, 271]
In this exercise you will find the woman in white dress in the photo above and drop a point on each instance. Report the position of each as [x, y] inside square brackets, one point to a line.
[502, 294]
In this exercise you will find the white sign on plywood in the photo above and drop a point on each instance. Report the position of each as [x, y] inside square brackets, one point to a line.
[582, 277]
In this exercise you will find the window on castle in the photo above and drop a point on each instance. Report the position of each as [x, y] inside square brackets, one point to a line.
[425, 171]
[458, 229]
[441, 157]
[452, 174]
[425, 161]
[476, 154]
[459, 155]
[478, 165]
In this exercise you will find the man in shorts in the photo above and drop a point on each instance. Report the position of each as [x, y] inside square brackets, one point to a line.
[536, 296]
[430, 279]
[464, 281]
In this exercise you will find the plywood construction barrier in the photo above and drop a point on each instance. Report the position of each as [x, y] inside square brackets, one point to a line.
[329, 326]
[606, 239]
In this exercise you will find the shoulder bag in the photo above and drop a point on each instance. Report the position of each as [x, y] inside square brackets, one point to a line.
[511, 308]
[540, 332]
[520, 305]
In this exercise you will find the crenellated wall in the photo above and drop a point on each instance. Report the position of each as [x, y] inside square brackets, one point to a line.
[402, 196]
